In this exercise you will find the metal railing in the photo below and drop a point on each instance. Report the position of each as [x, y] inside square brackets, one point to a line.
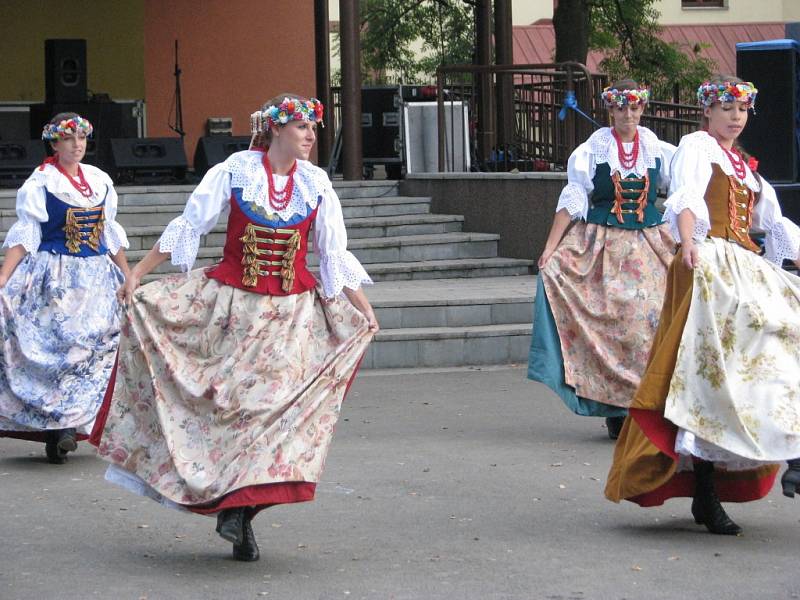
[531, 117]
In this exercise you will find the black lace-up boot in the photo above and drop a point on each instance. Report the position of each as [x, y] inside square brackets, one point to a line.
[247, 551]
[614, 425]
[706, 507]
[230, 524]
[791, 478]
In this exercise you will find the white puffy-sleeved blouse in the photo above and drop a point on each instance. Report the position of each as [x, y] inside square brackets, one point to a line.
[245, 171]
[601, 147]
[32, 206]
[690, 173]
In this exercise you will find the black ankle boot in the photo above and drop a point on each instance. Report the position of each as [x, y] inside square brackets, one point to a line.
[230, 524]
[67, 442]
[614, 426]
[706, 507]
[791, 478]
[247, 551]
[55, 455]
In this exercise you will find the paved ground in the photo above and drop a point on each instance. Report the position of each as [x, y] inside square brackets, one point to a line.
[457, 485]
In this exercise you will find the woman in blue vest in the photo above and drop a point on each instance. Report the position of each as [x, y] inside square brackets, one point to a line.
[602, 273]
[59, 321]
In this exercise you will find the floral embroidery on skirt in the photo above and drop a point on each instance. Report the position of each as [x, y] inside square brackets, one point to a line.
[605, 287]
[218, 388]
[59, 322]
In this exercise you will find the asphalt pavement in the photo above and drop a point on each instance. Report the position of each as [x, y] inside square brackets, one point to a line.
[462, 484]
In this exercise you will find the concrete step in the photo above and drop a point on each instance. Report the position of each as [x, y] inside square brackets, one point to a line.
[143, 237]
[408, 248]
[427, 347]
[453, 302]
[450, 269]
[404, 271]
[140, 195]
[141, 215]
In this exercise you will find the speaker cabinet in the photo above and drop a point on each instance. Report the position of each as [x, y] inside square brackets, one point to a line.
[18, 159]
[65, 71]
[212, 150]
[771, 133]
[149, 160]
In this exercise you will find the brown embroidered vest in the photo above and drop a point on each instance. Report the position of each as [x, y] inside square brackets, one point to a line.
[730, 208]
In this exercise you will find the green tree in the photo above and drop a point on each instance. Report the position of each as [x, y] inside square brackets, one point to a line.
[627, 31]
[394, 31]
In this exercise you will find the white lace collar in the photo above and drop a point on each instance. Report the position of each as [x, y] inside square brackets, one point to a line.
[702, 142]
[57, 184]
[604, 149]
[248, 174]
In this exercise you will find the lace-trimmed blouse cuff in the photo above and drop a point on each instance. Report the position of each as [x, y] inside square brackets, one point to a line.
[339, 270]
[677, 203]
[782, 241]
[575, 200]
[27, 234]
[182, 241]
[114, 236]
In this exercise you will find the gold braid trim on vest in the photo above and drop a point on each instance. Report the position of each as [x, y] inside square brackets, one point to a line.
[252, 263]
[97, 231]
[73, 232]
[287, 266]
[640, 200]
[73, 228]
[250, 257]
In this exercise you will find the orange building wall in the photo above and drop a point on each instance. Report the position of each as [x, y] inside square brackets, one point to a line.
[234, 55]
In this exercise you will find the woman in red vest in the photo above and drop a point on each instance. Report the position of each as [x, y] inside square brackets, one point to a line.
[230, 379]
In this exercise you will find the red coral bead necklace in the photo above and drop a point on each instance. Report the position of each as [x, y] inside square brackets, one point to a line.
[279, 199]
[627, 159]
[79, 183]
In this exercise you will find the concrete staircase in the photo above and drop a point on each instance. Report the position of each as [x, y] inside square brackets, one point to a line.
[443, 296]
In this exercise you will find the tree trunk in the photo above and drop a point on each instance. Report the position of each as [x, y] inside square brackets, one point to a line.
[571, 24]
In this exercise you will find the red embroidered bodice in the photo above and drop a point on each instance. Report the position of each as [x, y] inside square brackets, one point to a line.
[264, 259]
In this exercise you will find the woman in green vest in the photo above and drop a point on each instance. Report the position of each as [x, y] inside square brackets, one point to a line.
[603, 270]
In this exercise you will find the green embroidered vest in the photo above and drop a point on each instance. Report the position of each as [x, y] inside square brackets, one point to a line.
[628, 203]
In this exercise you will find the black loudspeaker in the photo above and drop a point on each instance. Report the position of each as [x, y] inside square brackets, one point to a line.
[109, 119]
[18, 159]
[772, 132]
[65, 71]
[212, 150]
[152, 160]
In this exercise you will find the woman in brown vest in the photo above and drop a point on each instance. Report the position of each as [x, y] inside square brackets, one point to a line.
[719, 403]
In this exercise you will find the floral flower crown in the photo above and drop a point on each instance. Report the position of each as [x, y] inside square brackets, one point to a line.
[291, 109]
[708, 93]
[56, 131]
[613, 97]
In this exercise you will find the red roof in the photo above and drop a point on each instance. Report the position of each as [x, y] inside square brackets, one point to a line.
[536, 43]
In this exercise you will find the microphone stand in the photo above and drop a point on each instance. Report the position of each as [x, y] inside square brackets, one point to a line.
[178, 127]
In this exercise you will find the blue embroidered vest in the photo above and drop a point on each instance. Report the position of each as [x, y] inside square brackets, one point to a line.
[73, 230]
[626, 202]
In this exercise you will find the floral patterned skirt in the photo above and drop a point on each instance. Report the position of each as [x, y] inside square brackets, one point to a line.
[604, 287]
[59, 328]
[221, 391]
[723, 383]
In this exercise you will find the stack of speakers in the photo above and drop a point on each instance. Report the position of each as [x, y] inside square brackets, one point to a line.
[115, 145]
[772, 134]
